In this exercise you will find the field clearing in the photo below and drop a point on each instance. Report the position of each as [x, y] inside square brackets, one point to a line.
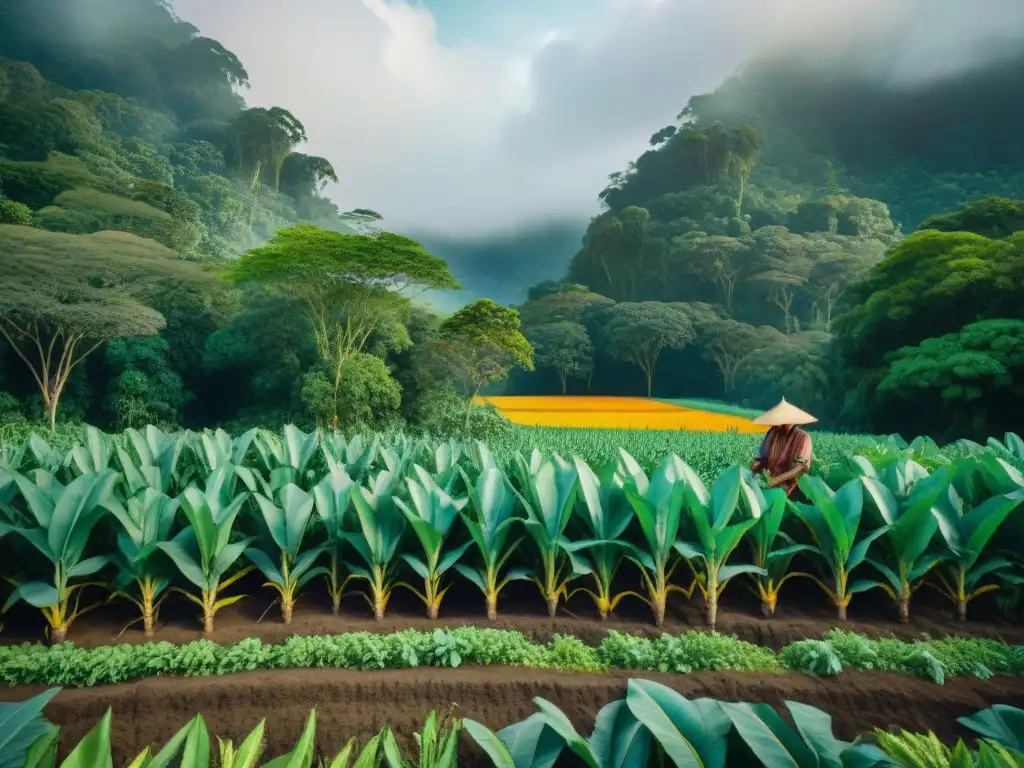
[616, 413]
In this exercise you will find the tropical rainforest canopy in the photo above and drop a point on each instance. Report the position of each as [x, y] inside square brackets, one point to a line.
[168, 256]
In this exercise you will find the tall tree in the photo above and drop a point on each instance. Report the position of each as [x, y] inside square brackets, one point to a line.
[64, 296]
[730, 345]
[262, 139]
[637, 333]
[565, 348]
[783, 266]
[716, 259]
[350, 286]
[481, 343]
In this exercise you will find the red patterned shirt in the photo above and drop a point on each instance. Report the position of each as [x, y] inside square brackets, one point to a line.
[781, 453]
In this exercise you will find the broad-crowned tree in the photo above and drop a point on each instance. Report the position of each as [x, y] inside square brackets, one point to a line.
[64, 296]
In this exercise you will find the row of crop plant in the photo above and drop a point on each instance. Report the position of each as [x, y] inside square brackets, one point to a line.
[193, 514]
[652, 725]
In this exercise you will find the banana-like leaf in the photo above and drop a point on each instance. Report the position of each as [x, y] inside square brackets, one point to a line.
[1001, 723]
[301, 755]
[94, 750]
[619, 739]
[691, 733]
[21, 725]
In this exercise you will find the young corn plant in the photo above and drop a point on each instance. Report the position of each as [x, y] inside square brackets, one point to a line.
[431, 513]
[607, 516]
[400, 457]
[142, 579]
[446, 465]
[833, 519]
[549, 495]
[381, 526]
[203, 551]
[658, 505]
[216, 449]
[93, 456]
[967, 531]
[355, 456]
[157, 463]
[287, 458]
[711, 515]
[489, 517]
[911, 525]
[768, 508]
[57, 521]
[280, 558]
[438, 744]
[332, 497]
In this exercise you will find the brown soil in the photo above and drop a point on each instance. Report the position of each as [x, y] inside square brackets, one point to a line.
[802, 613]
[358, 704]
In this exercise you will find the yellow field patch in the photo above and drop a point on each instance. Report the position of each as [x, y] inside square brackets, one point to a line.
[614, 413]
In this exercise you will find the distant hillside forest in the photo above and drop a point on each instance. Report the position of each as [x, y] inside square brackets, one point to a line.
[164, 247]
[854, 247]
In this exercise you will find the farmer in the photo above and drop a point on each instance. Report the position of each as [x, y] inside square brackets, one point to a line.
[785, 453]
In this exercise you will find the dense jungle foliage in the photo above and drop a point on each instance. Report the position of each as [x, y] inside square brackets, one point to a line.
[808, 233]
[742, 257]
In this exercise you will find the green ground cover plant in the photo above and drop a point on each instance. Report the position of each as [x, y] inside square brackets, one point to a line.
[933, 659]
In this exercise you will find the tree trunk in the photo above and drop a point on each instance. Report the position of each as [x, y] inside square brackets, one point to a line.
[286, 611]
[208, 624]
[336, 603]
[565, 383]
[767, 609]
[147, 623]
[961, 610]
[552, 606]
[58, 635]
[903, 606]
[432, 610]
[492, 607]
[842, 612]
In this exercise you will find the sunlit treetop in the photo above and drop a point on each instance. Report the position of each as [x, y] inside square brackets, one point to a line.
[308, 254]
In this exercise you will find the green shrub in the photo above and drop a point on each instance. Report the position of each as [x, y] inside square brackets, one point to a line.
[15, 213]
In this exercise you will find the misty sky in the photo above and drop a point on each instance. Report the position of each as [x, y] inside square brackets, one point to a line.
[467, 118]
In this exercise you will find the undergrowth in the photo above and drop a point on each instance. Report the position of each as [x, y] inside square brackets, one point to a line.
[71, 666]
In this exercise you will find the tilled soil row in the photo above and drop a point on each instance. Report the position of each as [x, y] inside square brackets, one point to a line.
[358, 704]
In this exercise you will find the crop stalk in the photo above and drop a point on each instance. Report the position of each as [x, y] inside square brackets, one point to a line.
[494, 588]
[768, 590]
[61, 616]
[840, 597]
[332, 579]
[147, 604]
[147, 589]
[550, 587]
[957, 591]
[603, 598]
[287, 591]
[208, 598]
[658, 590]
[380, 591]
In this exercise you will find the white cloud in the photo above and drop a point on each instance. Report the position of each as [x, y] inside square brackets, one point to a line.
[471, 139]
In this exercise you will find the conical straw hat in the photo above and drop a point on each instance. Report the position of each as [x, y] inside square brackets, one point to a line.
[782, 414]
